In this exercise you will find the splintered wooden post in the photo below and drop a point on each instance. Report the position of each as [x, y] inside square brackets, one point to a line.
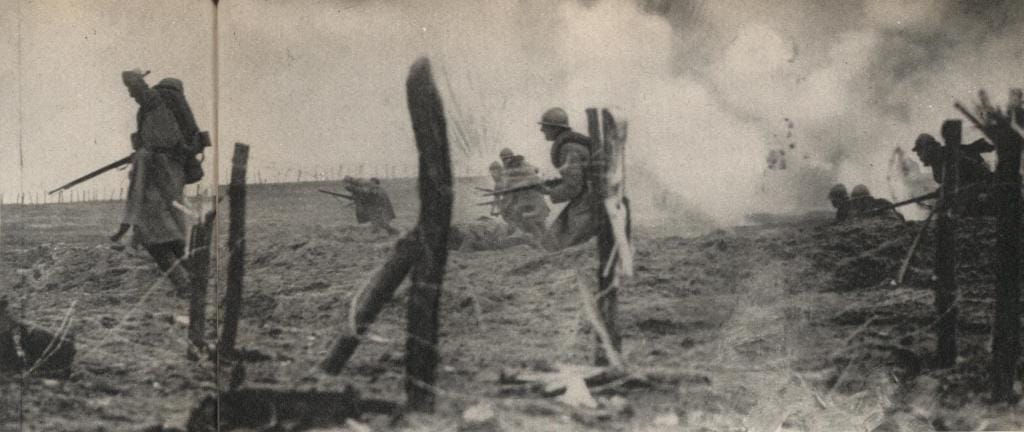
[371, 301]
[236, 243]
[945, 250]
[606, 293]
[1006, 326]
[436, 197]
[199, 265]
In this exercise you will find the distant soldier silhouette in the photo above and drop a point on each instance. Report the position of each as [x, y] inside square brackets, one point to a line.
[840, 200]
[859, 203]
[372, 203]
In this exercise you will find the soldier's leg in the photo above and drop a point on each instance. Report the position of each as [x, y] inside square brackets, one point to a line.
[121, 231]
[169, 258]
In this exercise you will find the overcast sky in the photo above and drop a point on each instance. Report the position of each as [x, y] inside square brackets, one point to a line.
[709, 86]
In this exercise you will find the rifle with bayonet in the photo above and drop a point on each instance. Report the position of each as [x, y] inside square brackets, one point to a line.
[113, 165]
[917, 199]
[340, 195]
[546, 183]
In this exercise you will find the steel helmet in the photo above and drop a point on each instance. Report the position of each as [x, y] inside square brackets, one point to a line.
[495, 166]
[860, 191]
[837, 192]
[506, 153]
[924, 140]
[555, 117]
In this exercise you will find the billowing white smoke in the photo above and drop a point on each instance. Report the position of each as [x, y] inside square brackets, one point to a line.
[709, 87]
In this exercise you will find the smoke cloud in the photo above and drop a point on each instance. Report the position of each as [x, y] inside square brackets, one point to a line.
[717, 93]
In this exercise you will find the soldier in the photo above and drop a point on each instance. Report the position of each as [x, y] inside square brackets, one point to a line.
[972, 166]
[484, 234]
[862, 204]
[372, 203]
[525, 210]
[975, 176]
[157, 181]
[840, 200]
[570, 154]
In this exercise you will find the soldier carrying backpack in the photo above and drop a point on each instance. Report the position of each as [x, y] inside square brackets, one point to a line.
[166, 146]
[572, 155]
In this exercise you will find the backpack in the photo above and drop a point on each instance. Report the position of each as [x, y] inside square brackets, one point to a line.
[196, 141]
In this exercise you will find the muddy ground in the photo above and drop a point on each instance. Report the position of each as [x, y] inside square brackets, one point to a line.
[786, 325]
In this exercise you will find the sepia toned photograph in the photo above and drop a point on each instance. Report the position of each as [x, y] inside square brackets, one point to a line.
[511, 215]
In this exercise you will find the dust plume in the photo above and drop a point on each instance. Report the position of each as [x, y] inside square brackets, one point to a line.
[711, 89]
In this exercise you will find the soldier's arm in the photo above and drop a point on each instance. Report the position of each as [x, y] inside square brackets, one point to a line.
[572, 175]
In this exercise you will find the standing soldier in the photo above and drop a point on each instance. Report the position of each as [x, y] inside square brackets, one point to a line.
[975, 176]
[158, 181]
[570, 154]
[372, 203]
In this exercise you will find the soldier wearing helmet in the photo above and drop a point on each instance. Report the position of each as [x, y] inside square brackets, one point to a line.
[859, 203]
[372, 203]
[525, 210]
[974, 174]
[840, 200]
[972, 166]
[570, 154]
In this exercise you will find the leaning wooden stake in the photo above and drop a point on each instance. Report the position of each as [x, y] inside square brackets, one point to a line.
[199, 265]
[945, 250]
[1006, 343]
[436, 198]
[370, 300]
[236, 244]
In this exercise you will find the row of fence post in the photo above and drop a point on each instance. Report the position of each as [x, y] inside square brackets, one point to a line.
[75, 196]
[118, 194]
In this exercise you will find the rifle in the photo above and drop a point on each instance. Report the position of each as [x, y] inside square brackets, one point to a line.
[116, 164]
[547, 183]
[927, 196]
[348, 197]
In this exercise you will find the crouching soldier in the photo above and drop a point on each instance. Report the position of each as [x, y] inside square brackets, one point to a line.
[525, 210]
[570, 154]
[862, 204]
[372, 203]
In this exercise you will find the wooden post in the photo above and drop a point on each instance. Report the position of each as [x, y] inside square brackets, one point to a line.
[199, 265]
[377, 293]
[605, 293]
[436, 198]
[945, 251]
[236, 242]
[1006, 343]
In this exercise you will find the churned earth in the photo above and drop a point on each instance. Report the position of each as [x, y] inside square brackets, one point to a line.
[789, 324]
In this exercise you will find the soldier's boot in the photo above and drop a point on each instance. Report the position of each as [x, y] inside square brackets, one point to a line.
[181, 279]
